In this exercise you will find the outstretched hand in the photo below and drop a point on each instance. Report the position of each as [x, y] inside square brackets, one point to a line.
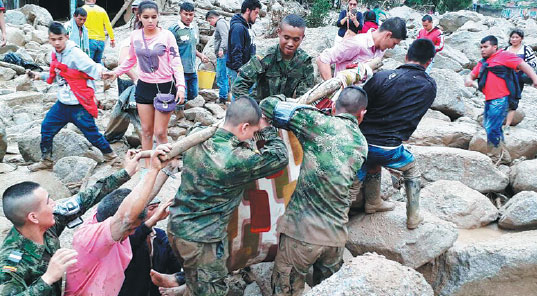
[131, 161]
[160, 152]
[108, 75]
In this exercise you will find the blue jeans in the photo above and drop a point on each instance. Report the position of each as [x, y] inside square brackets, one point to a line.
[430, 67]
[59, 115]
[378, 157]
[232, 75]
[191, 80]
[96, 48]
[221, 77]
[495, 113]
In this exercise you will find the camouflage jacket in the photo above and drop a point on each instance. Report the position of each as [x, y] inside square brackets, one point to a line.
[334, 150]
[274, 76]
[24, 262]
[215, 174]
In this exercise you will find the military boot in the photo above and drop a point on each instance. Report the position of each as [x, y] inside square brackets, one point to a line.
[44, 164]
[373, 202]
[413, 217]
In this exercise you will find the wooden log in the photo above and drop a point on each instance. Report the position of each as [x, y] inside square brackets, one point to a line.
[121, 11]
[322, 90]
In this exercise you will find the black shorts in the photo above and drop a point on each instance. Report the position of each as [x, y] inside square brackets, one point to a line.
[146, 92]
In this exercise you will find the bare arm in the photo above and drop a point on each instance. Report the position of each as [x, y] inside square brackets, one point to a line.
[524, 67]
[123, 55]
[126, 217]
[3, 41]
[470, 80]
[324, 69]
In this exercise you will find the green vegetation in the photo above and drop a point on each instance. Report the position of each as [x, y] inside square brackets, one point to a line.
[442, 5]
[319, 13]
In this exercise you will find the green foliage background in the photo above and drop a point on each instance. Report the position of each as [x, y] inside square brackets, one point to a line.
[318, 14]
[442, 5]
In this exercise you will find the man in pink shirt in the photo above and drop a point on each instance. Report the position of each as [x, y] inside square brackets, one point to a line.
[102, 243]
[362, 47]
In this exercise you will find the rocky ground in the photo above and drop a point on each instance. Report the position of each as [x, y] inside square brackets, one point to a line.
[479, 234]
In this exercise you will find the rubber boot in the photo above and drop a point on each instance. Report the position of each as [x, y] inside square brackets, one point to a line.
[44, 164]
[373, 202]
[413, 217]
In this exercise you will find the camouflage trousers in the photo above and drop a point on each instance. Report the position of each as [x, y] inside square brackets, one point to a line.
[204, 265]
[294, 260]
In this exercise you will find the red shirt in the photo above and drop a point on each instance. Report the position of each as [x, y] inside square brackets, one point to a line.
[368, 25]
[435, 35]
[495, 87]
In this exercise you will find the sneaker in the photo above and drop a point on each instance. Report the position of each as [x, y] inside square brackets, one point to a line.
[44, 164]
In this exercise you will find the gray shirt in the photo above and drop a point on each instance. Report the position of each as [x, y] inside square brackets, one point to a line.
[220, 36]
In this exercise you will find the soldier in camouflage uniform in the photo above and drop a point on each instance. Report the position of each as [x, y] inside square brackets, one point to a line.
[286, 69]
[312, 230]
[214, 177]
[31, 259]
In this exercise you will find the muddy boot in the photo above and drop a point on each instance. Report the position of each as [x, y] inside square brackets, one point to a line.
[44, 164]
[498, 155]
[413, 217]
[111, 157]
[373, 202]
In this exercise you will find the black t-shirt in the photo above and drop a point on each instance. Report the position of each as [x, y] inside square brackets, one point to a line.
[398, 99]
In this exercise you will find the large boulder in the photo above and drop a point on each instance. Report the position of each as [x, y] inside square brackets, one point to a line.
[451, 59]
[473, 169]
[74, 169]
[40, 37]
[200, 114]
[524, 176]
[505, 265]
[451, 93]
[386, 234]
[7, 74]
[198, 101]
[15, 36]
[65, 143]
[372, 274]
[37, 15]
[520, 142]
[436, 132]
[457, 203]
[452, 21]
[15, 17]
[47, 180]
[520, 212]
[230, 5]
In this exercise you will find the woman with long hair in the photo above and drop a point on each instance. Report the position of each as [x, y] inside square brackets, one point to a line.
[159, 71]
[516, 46]
[346, 16]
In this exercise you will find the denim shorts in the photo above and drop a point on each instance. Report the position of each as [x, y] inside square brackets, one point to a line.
[391, 158]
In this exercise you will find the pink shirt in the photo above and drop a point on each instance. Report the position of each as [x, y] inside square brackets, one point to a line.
[163, 56]
[101, 261]
[360, 48]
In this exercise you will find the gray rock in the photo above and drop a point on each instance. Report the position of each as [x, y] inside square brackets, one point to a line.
[3, 141]
[473, 169]
[230, 5]
[22, 98]
[6, 168]
[15, 36]
[433, 114]
[372, 274]
[452, 21]
[520, 142]
[451, 93]
[7, 74]
[473, 26]
[520, 212]
[5, 226]
[20, 70]
[216, 110]
[15, 17]
[47, 180]
[435, 132]
[74, 169]
[40, 37]
[200, 114]
[263, 273]
[252, 290]
[21, 118]
[37, 15]
[457, 203]
[451, 59]
[506, 265]
[524, 176]
[209, 94]
[196, 102]
[386, 234]
[65, 143]
[24, 83]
